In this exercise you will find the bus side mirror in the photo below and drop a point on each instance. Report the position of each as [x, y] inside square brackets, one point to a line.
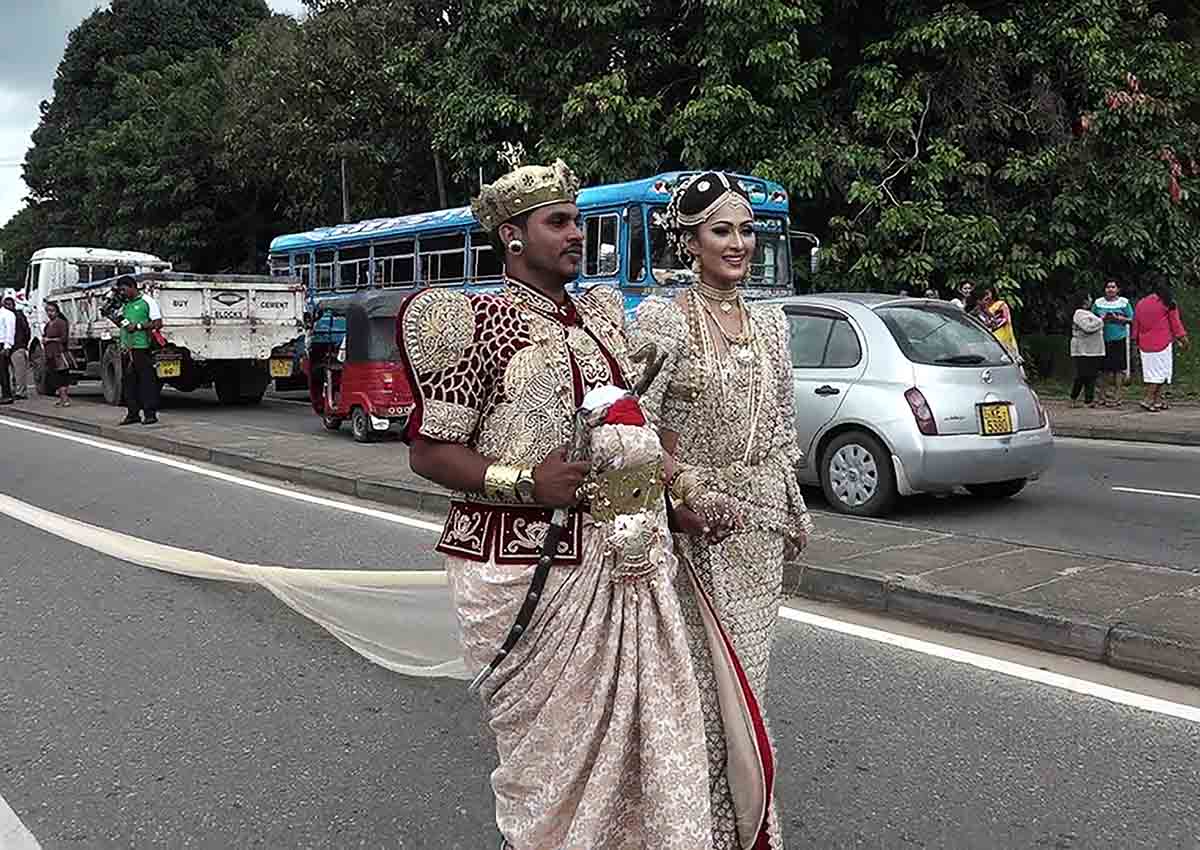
[814, 259]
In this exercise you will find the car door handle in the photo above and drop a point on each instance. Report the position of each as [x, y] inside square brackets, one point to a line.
[827, 390]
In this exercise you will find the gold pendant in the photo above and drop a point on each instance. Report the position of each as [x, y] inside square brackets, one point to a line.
[726, 307]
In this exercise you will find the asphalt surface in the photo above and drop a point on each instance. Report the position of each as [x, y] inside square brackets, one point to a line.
[1073, 506]
[139, 709]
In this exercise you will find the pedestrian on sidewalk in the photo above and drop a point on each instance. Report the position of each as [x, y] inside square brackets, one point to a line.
[140, 315]
[996, 314]
[1087, 351]
[54, 342]
[966, 296]
[8, 335]
[1157, 326]
[1117, 313]
[19, 356]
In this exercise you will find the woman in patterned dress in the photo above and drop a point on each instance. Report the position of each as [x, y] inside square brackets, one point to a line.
[723, 406]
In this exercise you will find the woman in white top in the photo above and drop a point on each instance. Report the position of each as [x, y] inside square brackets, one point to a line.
[1087, 351]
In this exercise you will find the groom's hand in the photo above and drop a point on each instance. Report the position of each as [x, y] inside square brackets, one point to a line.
[556, 481]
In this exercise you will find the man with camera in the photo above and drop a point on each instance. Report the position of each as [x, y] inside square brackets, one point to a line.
[138, 319]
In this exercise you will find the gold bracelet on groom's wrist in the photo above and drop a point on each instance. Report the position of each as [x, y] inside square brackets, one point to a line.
[508, 483]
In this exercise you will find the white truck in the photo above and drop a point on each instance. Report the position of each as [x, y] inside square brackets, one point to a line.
[232, 332]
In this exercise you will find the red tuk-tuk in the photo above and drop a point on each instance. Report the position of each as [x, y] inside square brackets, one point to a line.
[361, 380]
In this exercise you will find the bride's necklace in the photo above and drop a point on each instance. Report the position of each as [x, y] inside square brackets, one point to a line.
[737, 345]
[725, 299]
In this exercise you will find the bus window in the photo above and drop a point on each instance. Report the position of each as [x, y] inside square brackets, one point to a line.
[394, 263]
[325, 270]
[771, 264]
[354, 267]
[442, 258]
[636, 259]
[126, 270]
[31, 277]
[279, 265]
[663, 259]
[300, 268]
[485, 264]
[600, 245]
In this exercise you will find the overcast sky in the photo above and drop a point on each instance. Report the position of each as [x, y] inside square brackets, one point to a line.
[33, 34]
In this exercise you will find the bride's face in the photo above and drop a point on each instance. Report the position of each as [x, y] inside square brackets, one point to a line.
[725, 245]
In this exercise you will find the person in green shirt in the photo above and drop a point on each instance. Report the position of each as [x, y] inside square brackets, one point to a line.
[140, 316]
[1117, 313]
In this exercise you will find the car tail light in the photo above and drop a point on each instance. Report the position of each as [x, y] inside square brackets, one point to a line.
[1041, 410]
[921, 412]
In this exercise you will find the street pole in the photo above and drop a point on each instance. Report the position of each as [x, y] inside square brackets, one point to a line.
[441, 180]
[345, 193]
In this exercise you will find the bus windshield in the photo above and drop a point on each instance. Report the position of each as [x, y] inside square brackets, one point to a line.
[771, 265]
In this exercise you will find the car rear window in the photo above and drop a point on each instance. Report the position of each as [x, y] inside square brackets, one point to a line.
[941, 336]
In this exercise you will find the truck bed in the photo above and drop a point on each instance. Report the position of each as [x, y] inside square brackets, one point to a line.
[213, 316]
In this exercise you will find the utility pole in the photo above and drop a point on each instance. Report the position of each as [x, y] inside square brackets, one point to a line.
[441, 180]
[345, 193]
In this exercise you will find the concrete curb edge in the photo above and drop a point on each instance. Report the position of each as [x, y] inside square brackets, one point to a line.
[1118, 645]
[1167, 438]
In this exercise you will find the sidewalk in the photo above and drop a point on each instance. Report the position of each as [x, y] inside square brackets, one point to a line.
[1131, 616]
[1178, 426]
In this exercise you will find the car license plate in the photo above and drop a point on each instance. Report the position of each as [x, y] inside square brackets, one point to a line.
[996, 418]
[281, 368]
[169, 368]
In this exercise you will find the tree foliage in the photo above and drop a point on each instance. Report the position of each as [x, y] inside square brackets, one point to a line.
[1041, 146]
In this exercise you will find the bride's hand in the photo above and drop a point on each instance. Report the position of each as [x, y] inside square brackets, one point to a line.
[720, 514]
[695, 525]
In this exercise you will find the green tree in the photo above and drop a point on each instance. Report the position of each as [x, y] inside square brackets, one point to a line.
[92, 150]
[351, 82]
[1026, 145]
[623, 88]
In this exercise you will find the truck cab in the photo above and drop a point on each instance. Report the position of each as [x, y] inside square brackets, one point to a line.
[52, 269]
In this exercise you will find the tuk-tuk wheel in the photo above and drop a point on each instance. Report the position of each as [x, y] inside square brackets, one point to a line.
[360, 424]
[331, 423]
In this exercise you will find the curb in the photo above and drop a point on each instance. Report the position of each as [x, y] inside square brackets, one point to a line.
[425, 500]
[1118, 645]
[1100, 432]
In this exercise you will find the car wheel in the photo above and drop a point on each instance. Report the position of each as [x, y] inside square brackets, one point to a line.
[857, 475]
[997, 490]
[360, 425]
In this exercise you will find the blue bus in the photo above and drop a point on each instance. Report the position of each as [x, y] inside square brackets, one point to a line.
[624, 246]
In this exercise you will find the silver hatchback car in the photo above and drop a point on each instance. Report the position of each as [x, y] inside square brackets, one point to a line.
[896, 396]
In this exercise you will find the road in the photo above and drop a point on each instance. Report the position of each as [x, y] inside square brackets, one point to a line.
[1073, 507]
[139, 709]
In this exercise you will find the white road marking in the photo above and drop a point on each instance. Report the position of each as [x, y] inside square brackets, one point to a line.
[13, 834]
[983, 662]
[997, 665]
[1166, 494]
[386, 516]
